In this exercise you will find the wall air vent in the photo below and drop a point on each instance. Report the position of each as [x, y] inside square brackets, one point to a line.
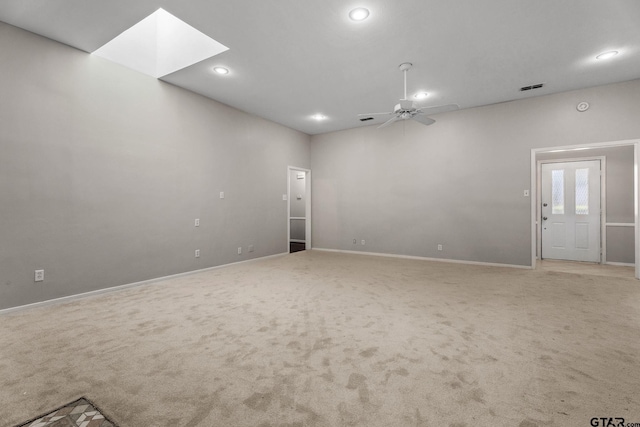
[531, 87]
[364, 119]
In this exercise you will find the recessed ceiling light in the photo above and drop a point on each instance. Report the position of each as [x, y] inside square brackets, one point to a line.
[318, 117]
[221, 70]
[607, 55]
[421, 95]
[359, 14]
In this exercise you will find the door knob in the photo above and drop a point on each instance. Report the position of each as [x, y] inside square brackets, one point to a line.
[544, 218]
[544, 204]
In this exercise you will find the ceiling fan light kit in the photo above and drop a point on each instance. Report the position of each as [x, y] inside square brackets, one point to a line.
[406, 109]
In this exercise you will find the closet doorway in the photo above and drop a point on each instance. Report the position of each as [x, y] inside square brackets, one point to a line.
[299, 209]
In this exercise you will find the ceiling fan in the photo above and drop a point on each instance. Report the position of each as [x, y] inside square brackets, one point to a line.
[407, 109]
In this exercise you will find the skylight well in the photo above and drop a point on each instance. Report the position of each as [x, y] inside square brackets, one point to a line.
[160, 44]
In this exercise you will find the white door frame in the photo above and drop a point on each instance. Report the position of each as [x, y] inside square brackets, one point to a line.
[636, 190]
[307, 208]
[603, 201]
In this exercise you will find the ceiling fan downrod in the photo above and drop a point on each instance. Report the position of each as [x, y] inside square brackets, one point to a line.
[404, 67]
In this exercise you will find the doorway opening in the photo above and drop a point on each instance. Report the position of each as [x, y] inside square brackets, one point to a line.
[298, 209]
[618, 222]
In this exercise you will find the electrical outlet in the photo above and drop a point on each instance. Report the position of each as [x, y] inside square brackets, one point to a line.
[197, 222]
[439, 247]
[222, 194]
[239, 251]
[39, 276]
[362, 242]
[197, 253]
[250, 248]
[355, 241]
[284, 197]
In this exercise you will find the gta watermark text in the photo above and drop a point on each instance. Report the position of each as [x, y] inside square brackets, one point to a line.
[611, 422]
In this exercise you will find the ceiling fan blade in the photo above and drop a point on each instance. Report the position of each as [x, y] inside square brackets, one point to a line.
[423, 119]
[374, 114]
[388, 122]
[439, 109]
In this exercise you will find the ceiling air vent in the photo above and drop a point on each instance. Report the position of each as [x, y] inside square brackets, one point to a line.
[364, 119]
[531, 87]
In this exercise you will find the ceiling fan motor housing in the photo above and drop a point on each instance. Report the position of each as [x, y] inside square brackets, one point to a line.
[405, 105]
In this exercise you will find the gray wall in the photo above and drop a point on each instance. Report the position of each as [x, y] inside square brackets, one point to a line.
[103, 171]
[620, 242]
[406, 188]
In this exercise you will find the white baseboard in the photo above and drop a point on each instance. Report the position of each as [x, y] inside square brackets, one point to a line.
[127, 286]
[621, 264]
[452, 261]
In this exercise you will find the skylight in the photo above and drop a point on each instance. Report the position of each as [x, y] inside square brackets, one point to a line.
[160, 44]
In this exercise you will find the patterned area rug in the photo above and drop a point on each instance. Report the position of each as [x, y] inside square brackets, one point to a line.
[80, 413]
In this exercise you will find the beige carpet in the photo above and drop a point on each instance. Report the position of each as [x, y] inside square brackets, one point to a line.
[325, 339]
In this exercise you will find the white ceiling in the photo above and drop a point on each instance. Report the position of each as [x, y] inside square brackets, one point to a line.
[290, 59]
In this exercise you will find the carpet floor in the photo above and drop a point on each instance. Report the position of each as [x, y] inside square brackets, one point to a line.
[325, 339]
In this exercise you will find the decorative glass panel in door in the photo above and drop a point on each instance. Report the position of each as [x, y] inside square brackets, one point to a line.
[582, 191]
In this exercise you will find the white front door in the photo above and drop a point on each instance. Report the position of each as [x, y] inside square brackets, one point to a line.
[571, 211]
